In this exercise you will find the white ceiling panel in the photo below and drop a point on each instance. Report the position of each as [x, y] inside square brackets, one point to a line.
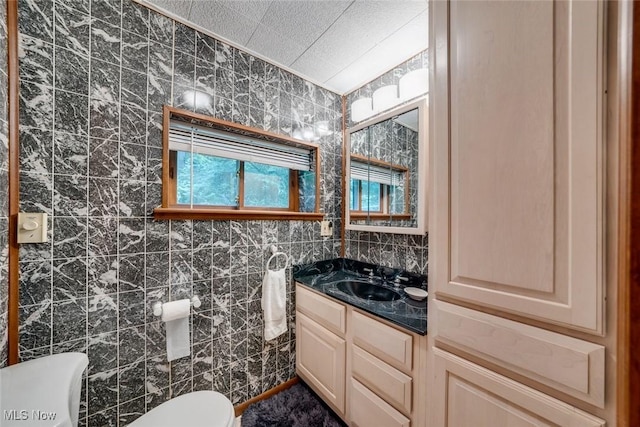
[220, 20]
[303, 21]
[274, 46]
[339, 44]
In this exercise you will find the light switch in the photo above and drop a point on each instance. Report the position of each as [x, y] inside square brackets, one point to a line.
[32, 227]
[326, 228]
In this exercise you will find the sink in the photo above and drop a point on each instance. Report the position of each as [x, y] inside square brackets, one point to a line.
[367, 291]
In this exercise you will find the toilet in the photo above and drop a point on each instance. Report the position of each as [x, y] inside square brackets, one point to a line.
[195, 409]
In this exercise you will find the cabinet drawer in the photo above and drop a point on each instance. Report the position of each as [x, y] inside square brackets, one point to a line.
[368, 410]
[385, 342]
[328, 313]
[385, 380]
[320, 360]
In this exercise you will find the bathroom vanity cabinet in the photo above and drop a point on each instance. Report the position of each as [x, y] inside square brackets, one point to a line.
[363, 367]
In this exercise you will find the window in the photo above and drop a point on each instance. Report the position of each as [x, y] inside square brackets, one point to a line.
[213, 169]
[377, 188]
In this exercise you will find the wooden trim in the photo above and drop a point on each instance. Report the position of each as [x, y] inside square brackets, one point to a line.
[318, 182]
[378, 162]
[294, 190]
[167, 190]
[628, 333]
[345, 181]
[14, 180]
[363, 215]
[239, 409]
[240, 186]
[217, 214]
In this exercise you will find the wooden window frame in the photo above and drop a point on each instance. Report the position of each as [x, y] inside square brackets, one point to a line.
[385, 200]
[171, 210]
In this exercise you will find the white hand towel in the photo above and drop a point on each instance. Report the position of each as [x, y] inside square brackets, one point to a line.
[274, 303]
[176, 317]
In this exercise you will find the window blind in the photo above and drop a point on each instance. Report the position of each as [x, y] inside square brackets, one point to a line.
[203, 140]
[365, 172]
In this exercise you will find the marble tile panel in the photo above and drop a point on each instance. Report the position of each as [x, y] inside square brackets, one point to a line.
[70, 196]
[239, 289]
[104, 119]
[222, 380]
[131, 233]
[35, 282]
[202, 264]
[131, 410]
[157, 235]
[135, 52]
[241, 93]
[181, 267]
[156, 270]
[133, 340]
[133, 89]
[102, 352]
[69, 237]
[184, 39]
[202, 326]
[160, 28]
[107, 10]
[36, 60]
[204, 292]
[182, 369]
[105, 81]
[159, 92]
[181, 234]
[69, 320]
[160, 61]
[132, 199]
[70, 154]
[102, 313]
[103, 158]
[102, 273]
[184, 68]
[133, 124]
[154, 164]
[36, 151]
[205, 48]
[72, 28]
[153, 197]
[36, 106]
[103, 235]
[102, 391]
[129, 385]
[105, 41]
[156, 348]
[103, 197]
[69, 279]
[106, 418]
[135, 18]
[35, 18]
[132, 161]
[131, 309]
[239, 318]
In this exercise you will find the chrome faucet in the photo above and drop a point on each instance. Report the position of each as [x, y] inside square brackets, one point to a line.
[396, 282]
[370, 271]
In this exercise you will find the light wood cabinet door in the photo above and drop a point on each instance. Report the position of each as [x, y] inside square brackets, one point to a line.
[321, 359]
[478, 397]
[366, 409]
[517, 137]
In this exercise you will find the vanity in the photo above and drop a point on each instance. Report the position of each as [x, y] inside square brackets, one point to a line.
[361, 341]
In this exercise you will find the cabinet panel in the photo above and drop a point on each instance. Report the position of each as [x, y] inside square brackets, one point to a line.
[389, 344]
[518, 158]
[329, 314]
[368, 410]
[389, 383]
[321, 360]
[496, 400]
[573, 366]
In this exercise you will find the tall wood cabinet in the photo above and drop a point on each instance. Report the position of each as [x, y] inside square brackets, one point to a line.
[517, 243]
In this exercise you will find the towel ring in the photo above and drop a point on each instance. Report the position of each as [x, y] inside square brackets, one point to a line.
[275, 253]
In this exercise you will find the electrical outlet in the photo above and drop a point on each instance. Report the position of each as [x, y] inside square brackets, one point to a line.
[326, 228]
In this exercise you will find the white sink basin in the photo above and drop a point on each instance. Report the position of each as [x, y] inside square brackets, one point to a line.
[42, 392]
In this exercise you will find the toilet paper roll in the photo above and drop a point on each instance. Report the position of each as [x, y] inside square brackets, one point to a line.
[176, 310]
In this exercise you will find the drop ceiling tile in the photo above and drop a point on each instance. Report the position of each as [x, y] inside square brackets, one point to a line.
[224, 22]
[321, 69]
[252, 9]
[273, 45]
[177, 7]
[303, 21]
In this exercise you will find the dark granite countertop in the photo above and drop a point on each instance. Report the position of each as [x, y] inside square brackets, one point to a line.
[323, 276]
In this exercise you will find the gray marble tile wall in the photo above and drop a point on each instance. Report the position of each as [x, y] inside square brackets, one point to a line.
[94, 76]
[405, 251]
[4, 170]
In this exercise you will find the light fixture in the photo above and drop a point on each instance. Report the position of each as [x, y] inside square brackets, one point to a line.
[361, 109]
[197, 99]
[385, 98]
[414, 83]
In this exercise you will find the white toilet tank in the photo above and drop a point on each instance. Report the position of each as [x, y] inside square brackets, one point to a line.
[43, 392]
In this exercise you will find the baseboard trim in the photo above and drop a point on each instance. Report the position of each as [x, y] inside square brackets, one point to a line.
[240, 408]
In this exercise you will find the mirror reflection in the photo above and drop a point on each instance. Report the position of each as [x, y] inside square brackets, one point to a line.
[384, 170]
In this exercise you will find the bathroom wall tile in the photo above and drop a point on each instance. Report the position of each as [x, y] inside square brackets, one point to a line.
[131, 236]
[102, 391]
[135, 18]
[69, 319]
[129, 385]
[133, 339]
[69, 279]
[107, 10]
[102, 313]
[135, 52]
[41, 28]
[70, 195]
[35, 282]
[69, 237]
[103, 235]
[103, 197]
[36, 106]
[72, 28]
[36, 60]
[102, 352]
[36, 147]
[131, 410]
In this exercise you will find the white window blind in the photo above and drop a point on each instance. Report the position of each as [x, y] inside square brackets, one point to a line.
[366, 172]
[203, 140]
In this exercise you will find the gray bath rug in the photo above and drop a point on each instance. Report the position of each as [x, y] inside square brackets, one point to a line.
[296, 406]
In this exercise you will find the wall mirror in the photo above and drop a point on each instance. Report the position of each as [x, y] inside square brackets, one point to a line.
[386, 172]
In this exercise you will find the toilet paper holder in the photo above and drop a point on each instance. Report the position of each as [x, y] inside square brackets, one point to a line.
[157, 307]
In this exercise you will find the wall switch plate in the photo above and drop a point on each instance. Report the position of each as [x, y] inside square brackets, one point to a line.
[326, 228]
[32, 227]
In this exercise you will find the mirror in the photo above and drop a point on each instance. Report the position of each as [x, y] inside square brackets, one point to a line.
[386, 170]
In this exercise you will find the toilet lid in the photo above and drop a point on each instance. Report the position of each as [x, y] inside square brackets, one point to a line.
[197, 409]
